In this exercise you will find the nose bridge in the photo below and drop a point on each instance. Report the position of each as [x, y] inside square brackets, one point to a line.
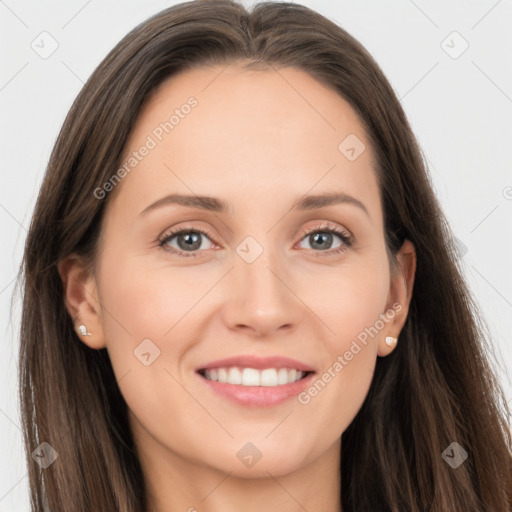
[256, 266]
[262, 299]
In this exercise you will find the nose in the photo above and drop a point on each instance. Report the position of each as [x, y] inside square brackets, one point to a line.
[261, 298]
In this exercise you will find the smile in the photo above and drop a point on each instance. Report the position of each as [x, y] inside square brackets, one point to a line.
[253, 377]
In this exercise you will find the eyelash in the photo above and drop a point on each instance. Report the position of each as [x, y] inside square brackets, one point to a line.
[323, 228]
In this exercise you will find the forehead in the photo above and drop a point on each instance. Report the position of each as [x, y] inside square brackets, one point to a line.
[223, 130]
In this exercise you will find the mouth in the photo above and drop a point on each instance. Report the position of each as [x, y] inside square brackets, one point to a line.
[252, 381]
[250, 377]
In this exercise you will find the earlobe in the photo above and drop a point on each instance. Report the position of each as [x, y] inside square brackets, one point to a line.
[81, 300]
[82, 330]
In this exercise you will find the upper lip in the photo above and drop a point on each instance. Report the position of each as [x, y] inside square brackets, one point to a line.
[258, 363]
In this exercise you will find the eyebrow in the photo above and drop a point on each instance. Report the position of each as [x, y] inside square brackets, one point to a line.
[308, 202]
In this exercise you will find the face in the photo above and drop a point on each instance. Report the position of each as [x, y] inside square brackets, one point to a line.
[256, 274]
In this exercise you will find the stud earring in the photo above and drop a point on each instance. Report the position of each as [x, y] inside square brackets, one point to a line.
[391, 342]
[82, 329]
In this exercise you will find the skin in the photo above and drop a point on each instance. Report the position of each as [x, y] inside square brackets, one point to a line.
[257, 140]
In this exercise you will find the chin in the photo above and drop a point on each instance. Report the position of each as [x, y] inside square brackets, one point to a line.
[257, 460]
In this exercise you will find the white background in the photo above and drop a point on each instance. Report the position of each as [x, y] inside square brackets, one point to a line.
[460, 109]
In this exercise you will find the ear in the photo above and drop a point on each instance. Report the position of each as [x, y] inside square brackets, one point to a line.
[81, 300]
[399, 298]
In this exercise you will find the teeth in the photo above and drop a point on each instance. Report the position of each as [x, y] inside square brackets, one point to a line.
[282, 376]
[268, 377]
[250, 377]
[234, 376]
[253, 377]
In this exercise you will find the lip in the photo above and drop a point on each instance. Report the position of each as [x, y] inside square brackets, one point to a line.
[258, 396]
[258, 363]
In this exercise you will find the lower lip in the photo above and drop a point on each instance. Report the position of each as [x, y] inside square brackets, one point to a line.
[258, 396]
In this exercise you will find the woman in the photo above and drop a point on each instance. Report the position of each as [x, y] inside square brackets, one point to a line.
[182, 349]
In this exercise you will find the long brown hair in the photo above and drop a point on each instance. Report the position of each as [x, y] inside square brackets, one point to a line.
[435, 389]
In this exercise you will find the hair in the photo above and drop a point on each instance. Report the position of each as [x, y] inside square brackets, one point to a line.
[436, 388]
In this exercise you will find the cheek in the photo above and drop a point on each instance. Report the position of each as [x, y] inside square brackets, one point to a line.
[349, 299]
[352, 307]
[147, 315]
[143, 302]
[138, 309]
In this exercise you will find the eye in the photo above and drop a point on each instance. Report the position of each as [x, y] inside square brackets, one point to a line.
[321, 236]
[188, 239]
